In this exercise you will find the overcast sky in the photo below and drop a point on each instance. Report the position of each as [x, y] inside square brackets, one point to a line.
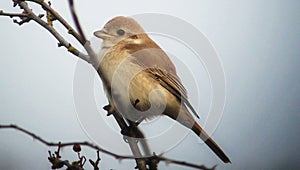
[258, 46]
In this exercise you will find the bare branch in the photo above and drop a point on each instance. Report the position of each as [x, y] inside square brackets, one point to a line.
[93, 146]
[11, 15]
[62, 41]
[58, 17]
[94, 59]
[52, 144]
[92, 56]
[95, 164]
[75, 18]
[167, 160]
[141, 163]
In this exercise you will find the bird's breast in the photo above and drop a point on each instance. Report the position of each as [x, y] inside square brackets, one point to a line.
[117, 69]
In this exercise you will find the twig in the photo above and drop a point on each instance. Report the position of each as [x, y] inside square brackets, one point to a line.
[61, 40]
[86, 44]
[95, 164]
[60, 145]
[75, 18]
[92, 56]
[167, 160]
[58, 17]
[11, 15]
[52, 144]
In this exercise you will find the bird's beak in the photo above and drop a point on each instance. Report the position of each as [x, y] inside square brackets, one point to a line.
[102, 34]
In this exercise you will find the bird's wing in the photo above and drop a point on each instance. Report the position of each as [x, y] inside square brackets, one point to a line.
[172, 84]
[156, 62]
[154, 57]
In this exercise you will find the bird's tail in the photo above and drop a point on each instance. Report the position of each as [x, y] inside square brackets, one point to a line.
[186, 119]
[210, 142]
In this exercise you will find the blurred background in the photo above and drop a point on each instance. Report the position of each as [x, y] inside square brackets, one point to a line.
[258, 46]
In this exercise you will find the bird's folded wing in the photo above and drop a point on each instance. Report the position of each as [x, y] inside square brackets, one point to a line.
[156, 62]
[171, 83]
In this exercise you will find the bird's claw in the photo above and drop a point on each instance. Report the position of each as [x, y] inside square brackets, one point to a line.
[110, 109]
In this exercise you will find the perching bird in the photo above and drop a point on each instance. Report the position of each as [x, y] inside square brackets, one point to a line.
[140, 80]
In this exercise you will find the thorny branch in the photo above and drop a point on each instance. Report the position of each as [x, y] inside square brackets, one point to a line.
[157, 158]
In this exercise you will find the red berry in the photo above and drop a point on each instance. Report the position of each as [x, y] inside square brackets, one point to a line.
[76, 148]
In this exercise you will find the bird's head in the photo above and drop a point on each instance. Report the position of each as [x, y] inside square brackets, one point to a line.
[118, 29]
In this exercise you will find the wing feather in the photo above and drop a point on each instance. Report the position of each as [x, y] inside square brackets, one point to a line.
[157, 63]
[172, 84]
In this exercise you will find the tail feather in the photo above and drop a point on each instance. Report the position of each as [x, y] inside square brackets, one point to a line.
[186, 119]
[210, 143]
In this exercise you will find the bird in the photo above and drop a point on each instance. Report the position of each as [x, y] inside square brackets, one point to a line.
[141, 81]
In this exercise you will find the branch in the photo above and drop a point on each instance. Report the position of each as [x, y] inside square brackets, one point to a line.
[25, 17]
[95, 164]
[53, 144]
[86, 44]
[75, 18]
[96, 147]
[92, 57]
[183, 163]
[11, 15]
[58, 17]
[61, 40]
[141, 163]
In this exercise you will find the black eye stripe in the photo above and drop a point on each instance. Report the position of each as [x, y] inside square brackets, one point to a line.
[120, 32]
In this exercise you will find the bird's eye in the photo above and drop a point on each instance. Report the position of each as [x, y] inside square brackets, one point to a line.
[120, 32]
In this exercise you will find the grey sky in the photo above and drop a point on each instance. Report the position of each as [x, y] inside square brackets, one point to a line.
[258, 45]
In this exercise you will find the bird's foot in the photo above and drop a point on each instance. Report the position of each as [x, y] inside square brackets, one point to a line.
[110, 109]
[132, 131]
[129, 131]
